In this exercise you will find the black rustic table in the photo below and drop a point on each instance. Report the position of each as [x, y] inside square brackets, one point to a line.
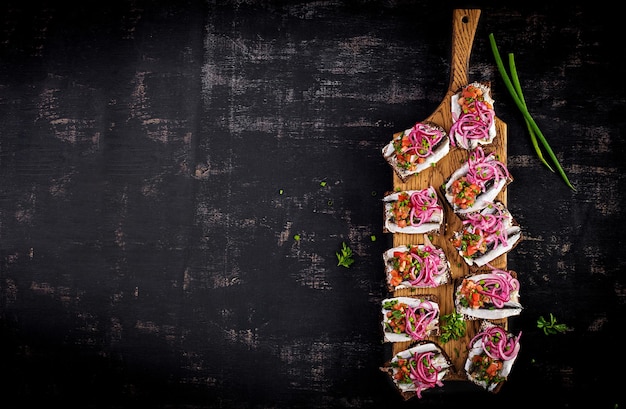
[177, 178]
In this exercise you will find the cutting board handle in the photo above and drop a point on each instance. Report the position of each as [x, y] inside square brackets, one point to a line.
[464, 25]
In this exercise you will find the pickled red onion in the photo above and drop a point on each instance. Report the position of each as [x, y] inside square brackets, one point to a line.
[417, 322]
[472, 125]
[491, 227]
[483, 169]
[423, 138]
[429, 266]
[424, 373]
[497, 344]
[423, 205]
[498, 286]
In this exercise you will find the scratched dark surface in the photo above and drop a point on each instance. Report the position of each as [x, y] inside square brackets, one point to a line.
[157, 162]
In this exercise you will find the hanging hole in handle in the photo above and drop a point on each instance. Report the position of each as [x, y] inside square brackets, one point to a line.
[465, 19]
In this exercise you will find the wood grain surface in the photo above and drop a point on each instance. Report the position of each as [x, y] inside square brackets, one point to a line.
[177, 177]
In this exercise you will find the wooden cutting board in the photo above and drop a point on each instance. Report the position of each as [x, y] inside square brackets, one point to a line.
[464, 24]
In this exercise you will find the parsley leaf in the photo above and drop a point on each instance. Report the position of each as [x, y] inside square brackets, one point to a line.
[344, 257]
[551, 326]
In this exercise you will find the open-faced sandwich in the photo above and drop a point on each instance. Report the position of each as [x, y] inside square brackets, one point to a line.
[476, 183]
[416, 266]
[413, 212]
[486, 235]
[492, 295]
[473, 116]
[419, 368]
[492, 353]
[410, 318]
[416, 149]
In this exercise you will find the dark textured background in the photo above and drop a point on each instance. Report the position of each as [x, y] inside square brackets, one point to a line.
[147, 255]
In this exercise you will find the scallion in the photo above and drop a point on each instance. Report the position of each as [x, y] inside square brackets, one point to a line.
[518, 89]
[521, 105]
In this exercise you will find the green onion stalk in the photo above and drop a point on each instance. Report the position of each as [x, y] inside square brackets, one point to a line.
[515, 90]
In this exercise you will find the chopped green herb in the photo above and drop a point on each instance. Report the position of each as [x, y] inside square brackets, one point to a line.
[452, 327]
[296, 237]
[280, 192]
[323, 183]
[373, 238]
